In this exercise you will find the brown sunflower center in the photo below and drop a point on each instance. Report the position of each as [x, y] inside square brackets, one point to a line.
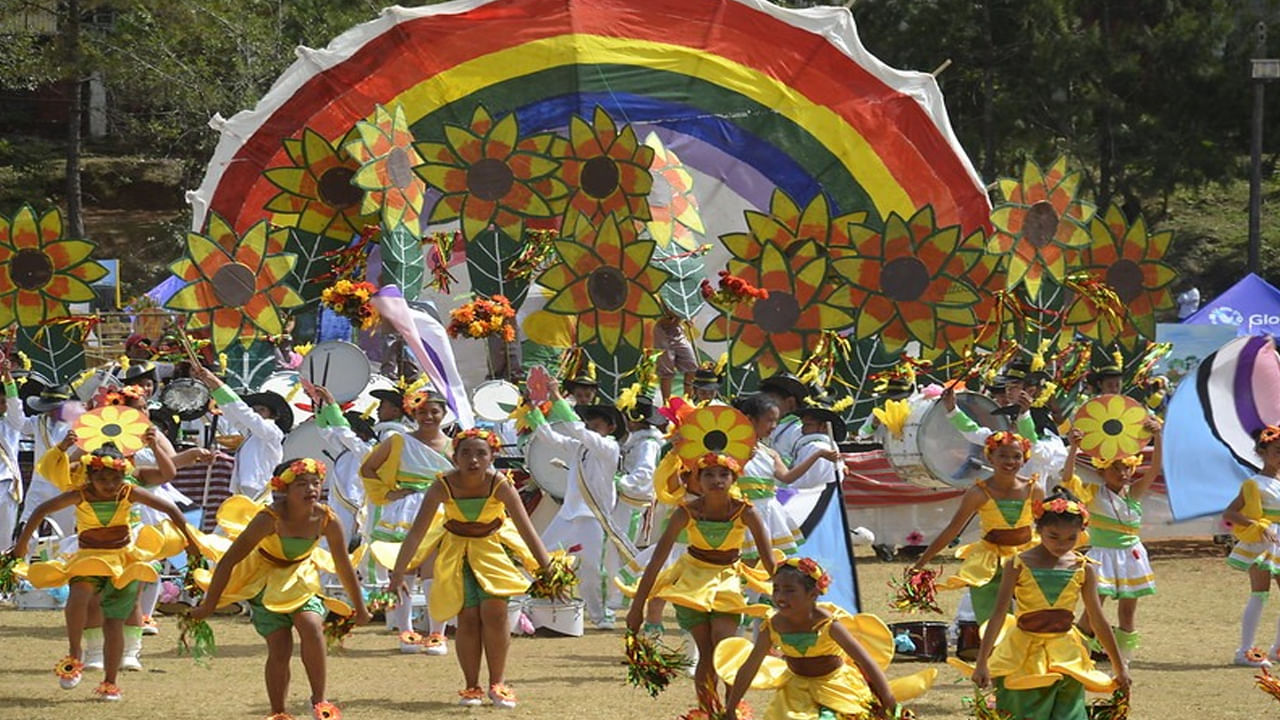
[607, 288]
[715, 441]
[1113, 427]
[111, 430]
[777, 313]
[490, 179]
[233, 284]
[1041, 224]
[335, 188]
[599, 177]
[1125, 277]
[31, 269]
[904, 279]
[400, 168]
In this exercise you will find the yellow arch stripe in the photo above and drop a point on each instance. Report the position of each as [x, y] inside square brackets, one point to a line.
[832, 131]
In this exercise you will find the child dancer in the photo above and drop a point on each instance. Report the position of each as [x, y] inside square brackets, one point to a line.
[484, 523]
[110, 563]
[1003, 503]
[705, 583]
[1115, 511]
[274, 564]
[1252, 516]
[397, 473]
[832, 663]
[1040, 665]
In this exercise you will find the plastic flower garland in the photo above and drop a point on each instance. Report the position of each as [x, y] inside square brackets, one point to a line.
[1059, 506]
[732, 290]
[811, 569]
[719, 460]
[491, 438]
[101, 462]
[1004, 437]
[351, 301]
[305, 466]
[483, 317]
[1132, 461]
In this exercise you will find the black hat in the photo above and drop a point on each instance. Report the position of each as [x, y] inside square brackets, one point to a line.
[646, 412]
[50, 398]
[393, 396]
[786, 384]
[896, 388]
[706, 378]
[360, 424]
[608, 412]
[273, 401]
[139, 371]
[822, 407]
[1111, 366]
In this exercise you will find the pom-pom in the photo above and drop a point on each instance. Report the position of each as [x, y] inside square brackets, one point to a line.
[1115, 707]
[915, 592]
[558, 579]
[195, 638]
[982, 706]
[651, 665]
[8, 573]
[336, 629]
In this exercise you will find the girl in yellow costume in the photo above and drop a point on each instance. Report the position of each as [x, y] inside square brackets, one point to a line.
[1038, 659]
[109, 564]
[484, 524]
[705, 584]
[1003, 504]
[832, 663]
[274, 564]
[1253, 516]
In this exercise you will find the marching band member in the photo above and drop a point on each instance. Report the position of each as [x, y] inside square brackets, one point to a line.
[786, 390]
[47, 430]
[348, 438]
[391, 414]
[10, 435]
[639, 453]
[264, 419]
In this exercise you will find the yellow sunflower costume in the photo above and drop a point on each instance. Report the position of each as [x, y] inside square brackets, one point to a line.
[843, 690]
[1008, 528]
[280, 576]
[108, 554]
[477, 550]
[1039, 648]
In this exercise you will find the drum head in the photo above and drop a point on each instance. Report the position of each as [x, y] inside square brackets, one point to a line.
[305, 441]
[903, 451]
[339, 366]
[951, 459]
[286, 385]
[102, 377]
[543, 463]
[494, 400]
[186, 398]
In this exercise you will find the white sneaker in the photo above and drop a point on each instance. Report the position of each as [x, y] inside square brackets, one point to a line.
[149, 627]
[130, 662]
[93, 658]
[1253, 657]
[435, 644]
[411, 643]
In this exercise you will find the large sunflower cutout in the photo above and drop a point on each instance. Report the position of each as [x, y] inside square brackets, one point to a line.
[316, 193]
[385, 151]
[908, 280]
[604, 277]
[779, 331]
[606, 171]
[1131, 262]
[1040, 225]
[115, 424]
[40, 271]
[677, 219]
[1112, 426]
[787, 223]
[719, 429]
[237, 287]
[491, 176]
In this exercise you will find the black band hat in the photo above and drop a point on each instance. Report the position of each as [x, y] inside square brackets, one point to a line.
[140, 371]
[821, 407]
[646, 412]
[786, 384]
[50, 398]
[607, 412]
[281, 413]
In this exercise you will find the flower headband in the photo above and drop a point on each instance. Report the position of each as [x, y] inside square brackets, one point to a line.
[1004, 437]
[101, 462]
[1269, 434]
[1132, 461]
[305, 466]
[123, 395]
[1060, 506]
[490, 437]
[720, 460]
[812, 570]
[415, 400]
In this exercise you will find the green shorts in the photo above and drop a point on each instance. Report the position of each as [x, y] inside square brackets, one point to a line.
[472, 593]
[117, 603]
[267, 622]
[688, 618]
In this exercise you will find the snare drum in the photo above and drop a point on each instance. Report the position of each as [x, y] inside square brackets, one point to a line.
[340, 367]
[546, 468]
[929, 637]
[305, 441]
[494, 400]
[968, 641]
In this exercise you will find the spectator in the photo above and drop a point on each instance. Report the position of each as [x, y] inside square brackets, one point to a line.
[1188, 299]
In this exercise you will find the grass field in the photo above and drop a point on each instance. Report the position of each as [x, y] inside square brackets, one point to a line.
[1182, 671]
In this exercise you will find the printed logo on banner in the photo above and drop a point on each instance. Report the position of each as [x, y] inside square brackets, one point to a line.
[1225, 315]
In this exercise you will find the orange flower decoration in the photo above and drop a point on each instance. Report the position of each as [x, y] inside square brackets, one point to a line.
[490, 175]
[236, 285]
[490, 438]
[1004, 437]
[606, 171]
[387, 157]
[1039, 224]
[40, 272]
[316, 195]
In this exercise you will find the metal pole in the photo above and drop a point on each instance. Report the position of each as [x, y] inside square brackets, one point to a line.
[1255, 158]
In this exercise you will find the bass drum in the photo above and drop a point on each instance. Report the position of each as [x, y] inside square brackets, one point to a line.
[904, 452]
[494, 400]
[546, 468]
[286, 384]
[305, 441]
[950, 458]
[339, 366]
[366, 404]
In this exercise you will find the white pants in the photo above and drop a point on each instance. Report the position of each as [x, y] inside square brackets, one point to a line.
[8, 514]
[585, 531]
[42, 491]
[627, 518]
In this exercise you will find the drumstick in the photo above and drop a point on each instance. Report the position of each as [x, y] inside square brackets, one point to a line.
[208, 473]
[324, 375]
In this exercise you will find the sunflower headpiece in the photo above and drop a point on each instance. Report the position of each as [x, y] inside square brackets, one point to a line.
[107, 462]
[1132, 461]
[1060, 506]
[718, 460]
[418, 398]
[812, 570]
[1004, 437]
[491, 438]
[305, 466]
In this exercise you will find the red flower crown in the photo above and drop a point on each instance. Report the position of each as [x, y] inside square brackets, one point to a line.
[813, 570]
[1060, 506]
[305, 466]
[490, 437]
[1004, 437]
[721, 460]
[100, 462]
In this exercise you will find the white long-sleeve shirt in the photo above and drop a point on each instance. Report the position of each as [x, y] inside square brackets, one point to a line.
[263, 446]
[640, 453]
[822, 471]
[346, 451]
[10, 435]
[591, 457]
[785, 437]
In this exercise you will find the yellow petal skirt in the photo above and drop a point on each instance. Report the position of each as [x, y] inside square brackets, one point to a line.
[1028, 660]
[122, 565]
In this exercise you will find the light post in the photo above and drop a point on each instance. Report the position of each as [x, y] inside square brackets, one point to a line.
[1261, 72]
